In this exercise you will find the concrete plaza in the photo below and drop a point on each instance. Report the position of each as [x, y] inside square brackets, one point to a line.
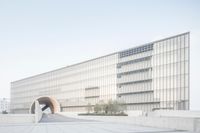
[58, 124]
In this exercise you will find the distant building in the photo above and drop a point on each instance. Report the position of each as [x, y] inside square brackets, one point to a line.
[4, 105]
[149, 77]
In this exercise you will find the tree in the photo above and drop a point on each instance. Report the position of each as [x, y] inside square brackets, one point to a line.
[4, 112]
[103, 106]
[111, 107]
[115, 107]
[89, 108]
[122, 107]
[97, 108]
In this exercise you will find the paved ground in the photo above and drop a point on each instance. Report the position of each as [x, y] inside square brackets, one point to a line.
[59, 118]
[73, 125]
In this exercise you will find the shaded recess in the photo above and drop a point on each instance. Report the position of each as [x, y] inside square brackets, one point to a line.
[46, 102]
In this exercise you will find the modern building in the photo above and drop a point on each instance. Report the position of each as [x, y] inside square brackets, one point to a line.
[4, 105]
[148, 77]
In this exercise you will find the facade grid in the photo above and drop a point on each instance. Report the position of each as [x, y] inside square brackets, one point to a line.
[148, 77]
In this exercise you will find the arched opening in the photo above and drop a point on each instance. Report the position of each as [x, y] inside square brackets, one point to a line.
[46, 103]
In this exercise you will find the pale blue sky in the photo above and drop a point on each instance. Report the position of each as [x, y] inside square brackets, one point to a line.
[41, 35]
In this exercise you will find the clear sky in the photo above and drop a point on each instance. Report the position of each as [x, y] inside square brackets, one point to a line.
[37, 36]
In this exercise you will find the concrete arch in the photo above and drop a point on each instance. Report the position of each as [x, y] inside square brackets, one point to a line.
[48, 102]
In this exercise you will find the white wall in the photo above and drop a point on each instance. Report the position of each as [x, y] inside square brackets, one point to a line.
[38, 112]
[22, 118]
[175, 113]
[178, 123]
[17, 118]
[135, 113]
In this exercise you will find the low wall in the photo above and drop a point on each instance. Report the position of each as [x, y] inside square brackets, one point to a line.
[22, 118]
[16, 118]
[38, 112]
[135, 113]
[175, 113]
[189, 124]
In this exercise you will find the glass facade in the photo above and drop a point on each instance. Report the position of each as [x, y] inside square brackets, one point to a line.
[171, 72]
[149, 77]
[156, 77]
